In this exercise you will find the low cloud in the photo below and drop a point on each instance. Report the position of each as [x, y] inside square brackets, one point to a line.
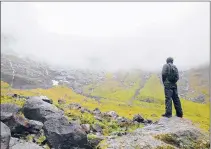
[109, 35]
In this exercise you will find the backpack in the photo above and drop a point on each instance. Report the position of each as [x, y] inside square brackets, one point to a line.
[173, 76]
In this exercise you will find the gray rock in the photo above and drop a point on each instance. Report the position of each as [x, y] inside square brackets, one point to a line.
[94, 140]
[22, 144]
[122, 121]
[167, 132]
[138, 118]
[46, 99]
[86, 127]
[97, 128]
[5, 116]
[36, 109]
[74, 106]
[112, 114]
[19, 125]
[5, 136]
[61, 101]
[77, 121]
[96, 111]
[35, 126]
[10, 108]
[98, 117]
[60, 134]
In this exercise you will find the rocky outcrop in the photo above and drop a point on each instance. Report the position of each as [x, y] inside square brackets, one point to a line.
[36, 109]
[167, 133]
[5, 136]
[63, 135]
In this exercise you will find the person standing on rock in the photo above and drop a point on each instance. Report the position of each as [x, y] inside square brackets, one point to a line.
[170, 76]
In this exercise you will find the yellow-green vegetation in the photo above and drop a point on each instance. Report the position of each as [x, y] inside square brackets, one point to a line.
[165, 147]
[41, 139]
[38, 140]
[115, 90]
[118, 101]
[7, 99]
[102, 145]
[107, 124]
[152, 89]
[91, 136]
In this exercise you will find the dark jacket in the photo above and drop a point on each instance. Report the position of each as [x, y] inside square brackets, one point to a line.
[165, 72]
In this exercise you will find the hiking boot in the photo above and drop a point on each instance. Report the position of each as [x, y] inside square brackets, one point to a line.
[165, 115]
[179, 116]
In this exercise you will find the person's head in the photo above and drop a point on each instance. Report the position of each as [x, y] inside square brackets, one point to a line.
[169, 60]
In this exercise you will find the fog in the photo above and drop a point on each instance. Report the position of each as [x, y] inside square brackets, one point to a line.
[107, 35]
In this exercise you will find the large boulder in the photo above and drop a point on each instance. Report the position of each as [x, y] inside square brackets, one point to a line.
[19, 125]
[5, 136]
[37, 109]
[61, 134]
[8, 110]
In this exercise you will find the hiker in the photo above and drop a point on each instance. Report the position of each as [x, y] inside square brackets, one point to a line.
[170, 76]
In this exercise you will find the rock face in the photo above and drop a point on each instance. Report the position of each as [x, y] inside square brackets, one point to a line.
[63, 135]
[5, 136]
[173, 133]
[36, 109]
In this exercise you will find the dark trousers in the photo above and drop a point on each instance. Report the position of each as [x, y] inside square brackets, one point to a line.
[171, 93]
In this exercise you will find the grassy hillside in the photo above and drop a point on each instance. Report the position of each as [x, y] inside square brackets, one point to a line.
[115, 89]
[117, 100]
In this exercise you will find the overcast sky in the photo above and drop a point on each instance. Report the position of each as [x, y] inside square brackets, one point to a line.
[110, 35]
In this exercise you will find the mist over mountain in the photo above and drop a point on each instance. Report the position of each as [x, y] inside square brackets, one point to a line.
[135, 41]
